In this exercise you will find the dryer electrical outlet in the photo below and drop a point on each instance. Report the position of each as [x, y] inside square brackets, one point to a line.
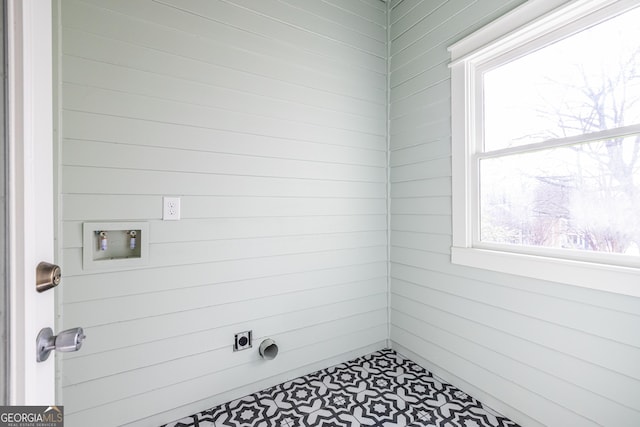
[242, 341]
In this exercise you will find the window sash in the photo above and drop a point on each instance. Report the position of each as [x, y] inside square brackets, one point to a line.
[623, 131]
[560, 253]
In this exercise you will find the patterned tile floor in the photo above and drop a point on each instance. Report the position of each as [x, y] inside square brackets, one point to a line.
[380, 389]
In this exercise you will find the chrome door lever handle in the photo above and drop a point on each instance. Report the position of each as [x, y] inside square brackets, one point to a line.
[65, 341]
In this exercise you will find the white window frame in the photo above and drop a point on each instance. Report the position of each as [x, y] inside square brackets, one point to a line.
[532, 25]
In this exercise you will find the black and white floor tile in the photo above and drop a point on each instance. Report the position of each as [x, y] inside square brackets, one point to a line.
[380, 389]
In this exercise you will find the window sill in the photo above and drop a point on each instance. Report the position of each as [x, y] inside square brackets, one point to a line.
[603, 277]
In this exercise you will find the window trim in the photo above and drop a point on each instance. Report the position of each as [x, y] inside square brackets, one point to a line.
[533, 24]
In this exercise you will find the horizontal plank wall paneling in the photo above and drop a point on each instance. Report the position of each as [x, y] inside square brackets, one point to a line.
[269, 120]
[542, 353]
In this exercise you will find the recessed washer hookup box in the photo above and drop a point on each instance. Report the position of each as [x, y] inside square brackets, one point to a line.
[113, 245]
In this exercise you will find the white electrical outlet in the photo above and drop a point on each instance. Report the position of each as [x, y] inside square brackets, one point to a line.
[171, 208]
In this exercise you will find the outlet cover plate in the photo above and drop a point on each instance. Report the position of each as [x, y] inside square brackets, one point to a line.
[171, 208]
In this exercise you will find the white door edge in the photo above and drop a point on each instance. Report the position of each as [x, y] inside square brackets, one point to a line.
[30, 179]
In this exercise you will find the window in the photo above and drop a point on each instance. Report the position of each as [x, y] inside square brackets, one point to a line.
[546, 144]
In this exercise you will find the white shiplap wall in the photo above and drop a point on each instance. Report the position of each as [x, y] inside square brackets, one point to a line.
[268, 119]
[542, 353]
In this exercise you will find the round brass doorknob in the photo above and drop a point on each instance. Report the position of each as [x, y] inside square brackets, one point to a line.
[47, 276]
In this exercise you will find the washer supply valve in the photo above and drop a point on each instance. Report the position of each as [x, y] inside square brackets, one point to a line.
[132, 239]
